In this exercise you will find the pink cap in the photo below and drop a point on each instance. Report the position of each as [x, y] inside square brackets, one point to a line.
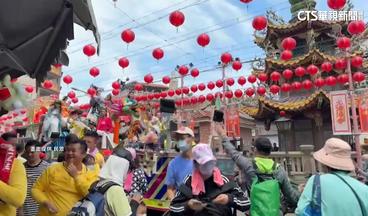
[133, 152]
[202, 153]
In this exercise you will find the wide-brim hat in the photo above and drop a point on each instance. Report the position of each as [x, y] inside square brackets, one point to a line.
[336, 153]
[185, 131]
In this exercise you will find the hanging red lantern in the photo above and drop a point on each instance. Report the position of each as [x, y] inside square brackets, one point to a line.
[262, 77]
[194, 88]
[286, 87]
[157, 105]
[307, 84]
[194, 72]
[144, 97]
[193, 100]
[166, 79]
[275, 76]
[238, 93]
[237, 65]
[123, 62]
[138, 87]
[203, 40]
[71, 94]
[358, 77]
[89, 50]
[29, 89]
[171, 92]
[340, 64]
[128, 36]
[68, 79]
[218, 95]
[226, 58]
[116, 85]
[219, 83]
[249, 92]
[23, 111]
[229, 94]
[319, 82]
[259, 23]
[183, 70]
[252, 78]
[357, 61]
[274, 89]
[115, 92]
[15, 114]
[261, 90]
[163, 94]
[282, 113]
[185, 90]
[91, 91]
[151, 96]
[343, 42]
[331, 81]
[356, 27]
[201, 87]
[299, 71]
[47, 84]
[312, 70]
[230, 82]
[336, 4]
[157, 95]
[148, 78]
[246, 1]
[25, 119]
[94, 71]
[210, 97]
[288, 74]
[178, 103]
[158, 53]
[178, 91]
[343, 78]
[177, 18]
[211, 85]
[288, 43]
[201, 99]
[75, 100]
[242, 80]
[326, 67]
[286, 55]
[296, 86]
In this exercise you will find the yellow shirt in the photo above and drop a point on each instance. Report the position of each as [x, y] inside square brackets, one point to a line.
[99, 159]
[57, 186]
[14, 193]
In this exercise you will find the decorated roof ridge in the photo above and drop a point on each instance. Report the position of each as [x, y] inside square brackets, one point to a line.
[284, 26]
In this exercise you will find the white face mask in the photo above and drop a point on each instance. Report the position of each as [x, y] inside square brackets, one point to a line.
[207, 169]
[183, 145]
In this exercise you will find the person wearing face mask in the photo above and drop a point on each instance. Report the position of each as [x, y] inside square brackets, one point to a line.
[206, 191]
[182, 164]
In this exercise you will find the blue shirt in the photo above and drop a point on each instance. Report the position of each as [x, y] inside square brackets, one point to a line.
[178, 169]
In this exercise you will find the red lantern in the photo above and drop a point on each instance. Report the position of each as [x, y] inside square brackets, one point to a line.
[288, 43]
[296, 86]
[144, 97]
[15, 114]
[177, 18]
[91, 91]
[148, 78]
[48, 84]
[203, 40]
[158, 53]
[238, 93]
[242, 80]
[178, 91]
[123, 62]
[229, 94]
[261, 90]
[226, 58]
[288, 74]
[71, 94]
[336, 4]
[211, 85]
[331, 81]
[193, 100]
[286, 87]
[286, 55]
[89, 50]
[24, 111]
[252, 78]
[128, 36]
[259, 23]
[230, 82]
[274, 89]
[25, 119]
[218, 95]
[343, 42]
[307, 84]
[116, 85]
[171, 92]
[237, 65]
[326, 66]
[138, 87]
[219, 83]
[299, 71]
[151, 96]
[68, 79]
[282, 114]
[358, 77]
[319, 82]
[194, 72]
[29, 89]
[183, 70]
[312, 69]
[157, 95]
[178, 103]
[163, 94]
[249, 92]
[343, 78]
[94, 72]
[357, 61]
[115, 91]
[210, 97]
[275, 76]
[75, 100]
[246, 1]
[356, 27]
[201, 99]
[340, 64]
[185, 90]
[262, 77]
[194, 88]
[166, 79]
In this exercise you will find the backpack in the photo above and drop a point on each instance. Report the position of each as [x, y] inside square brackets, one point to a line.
[265, 194]
[92, 204]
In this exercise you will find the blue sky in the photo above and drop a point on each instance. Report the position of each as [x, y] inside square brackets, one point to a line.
[227, 21]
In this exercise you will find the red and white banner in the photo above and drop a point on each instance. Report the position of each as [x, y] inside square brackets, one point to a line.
[340, 113]
[232, 122]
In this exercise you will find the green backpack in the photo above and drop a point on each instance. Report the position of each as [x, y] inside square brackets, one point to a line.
[265, 194]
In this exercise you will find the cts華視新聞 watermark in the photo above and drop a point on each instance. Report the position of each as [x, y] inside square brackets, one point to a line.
[47, 149]
[330, 15]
